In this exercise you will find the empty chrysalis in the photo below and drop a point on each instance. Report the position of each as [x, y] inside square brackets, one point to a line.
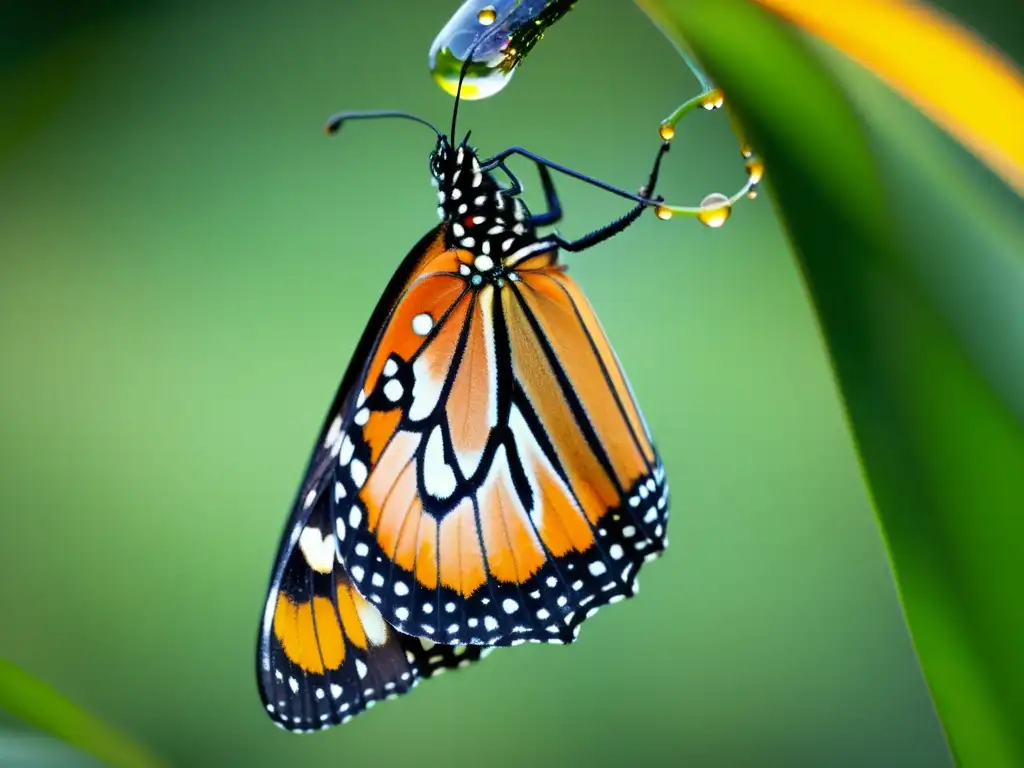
[493, 37]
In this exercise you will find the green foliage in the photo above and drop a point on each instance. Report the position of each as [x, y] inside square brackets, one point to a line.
[912, 261]
[41, 706]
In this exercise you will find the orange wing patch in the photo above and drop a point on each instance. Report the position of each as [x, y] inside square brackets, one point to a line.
[380, 426]
[295, 630]
[561, 525]
[567, 336]
[472, 408]
[595, 491]
[426, 553]
[462, 561]
[611, 362]
[513, 552]
[502, 482]
[394, 461]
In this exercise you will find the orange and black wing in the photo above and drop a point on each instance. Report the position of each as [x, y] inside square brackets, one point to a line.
[324, 653]
[491, 478]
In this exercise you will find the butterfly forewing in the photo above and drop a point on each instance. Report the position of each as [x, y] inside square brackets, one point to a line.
[490, 477]
[325, 653]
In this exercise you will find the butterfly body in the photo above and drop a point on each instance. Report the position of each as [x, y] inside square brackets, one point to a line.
[482, 217]
[483, 477]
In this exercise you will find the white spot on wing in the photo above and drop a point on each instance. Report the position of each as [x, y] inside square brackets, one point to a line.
[358, 470]
[334, 432]
[425, 389]
[438, 477]
[347, 449]
[373, 623]
[393, 390]
[318, 550]
[422, 323]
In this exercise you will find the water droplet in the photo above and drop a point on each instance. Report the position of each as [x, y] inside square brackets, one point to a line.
[497, 35]
[667, 131]
[746, 151]
[712, 99]
[755, 169]
[715, 209]
[663, 213]
[752, 194]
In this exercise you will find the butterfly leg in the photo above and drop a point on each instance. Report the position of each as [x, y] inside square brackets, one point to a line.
[615, 227]
[554, 212]
[498, 161]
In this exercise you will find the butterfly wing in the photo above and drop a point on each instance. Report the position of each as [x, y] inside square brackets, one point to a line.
[324, 653]
[491, 477]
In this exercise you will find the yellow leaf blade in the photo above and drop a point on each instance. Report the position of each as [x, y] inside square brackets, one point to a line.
[961, 82]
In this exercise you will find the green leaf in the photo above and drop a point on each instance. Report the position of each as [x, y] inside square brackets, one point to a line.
[913, 258]
[41, 706]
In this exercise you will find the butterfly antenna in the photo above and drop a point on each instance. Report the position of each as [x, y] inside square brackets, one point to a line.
[335, 123]
[462, 76]
[458, 91]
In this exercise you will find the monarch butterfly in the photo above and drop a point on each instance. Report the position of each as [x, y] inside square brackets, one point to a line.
[483, 477]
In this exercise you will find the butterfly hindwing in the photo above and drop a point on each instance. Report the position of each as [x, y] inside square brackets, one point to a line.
[325, 653]
[493, 480]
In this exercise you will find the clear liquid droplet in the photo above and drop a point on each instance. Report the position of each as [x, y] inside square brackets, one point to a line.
[713, 99]
[715, 210]
[755, 170]
[498, 35]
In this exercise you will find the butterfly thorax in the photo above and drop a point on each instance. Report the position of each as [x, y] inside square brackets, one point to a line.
[482, 216]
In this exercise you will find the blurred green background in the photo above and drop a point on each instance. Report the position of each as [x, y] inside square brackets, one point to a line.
[186, 263]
